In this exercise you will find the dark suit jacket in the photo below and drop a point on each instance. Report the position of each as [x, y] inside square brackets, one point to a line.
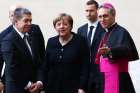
[21, 67]
[94, 74]
[67, 66]
[96, 40]
[36, 32]
[2, 35]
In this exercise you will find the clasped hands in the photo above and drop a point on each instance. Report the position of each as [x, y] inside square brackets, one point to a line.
[35, 87]
[1, 87]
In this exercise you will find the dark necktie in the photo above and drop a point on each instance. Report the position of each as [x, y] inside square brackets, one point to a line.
[90, 34]
[25, 38]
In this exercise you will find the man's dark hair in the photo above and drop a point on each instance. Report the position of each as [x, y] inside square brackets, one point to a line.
[90, 2]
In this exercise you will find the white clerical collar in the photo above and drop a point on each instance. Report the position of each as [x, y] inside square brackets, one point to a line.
[106, 29]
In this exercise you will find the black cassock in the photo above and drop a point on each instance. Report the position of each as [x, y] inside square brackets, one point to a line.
[122, 48]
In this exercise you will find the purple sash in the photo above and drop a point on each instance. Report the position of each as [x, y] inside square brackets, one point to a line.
[111, 72]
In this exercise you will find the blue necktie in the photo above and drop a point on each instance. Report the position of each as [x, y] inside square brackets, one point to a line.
[90, 34]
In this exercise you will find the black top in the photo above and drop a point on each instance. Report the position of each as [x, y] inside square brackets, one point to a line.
[68, 62]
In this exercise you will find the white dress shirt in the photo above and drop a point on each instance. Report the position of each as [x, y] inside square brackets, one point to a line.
[94, 29]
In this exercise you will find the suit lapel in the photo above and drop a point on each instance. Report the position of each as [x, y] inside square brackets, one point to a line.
[97, 34]
[85, 30]
[32, 41]
[21, 45]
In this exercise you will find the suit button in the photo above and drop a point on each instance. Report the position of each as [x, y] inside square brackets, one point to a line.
[60, 57]
[62, 49]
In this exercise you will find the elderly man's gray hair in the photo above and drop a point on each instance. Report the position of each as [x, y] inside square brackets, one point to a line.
[19, 12]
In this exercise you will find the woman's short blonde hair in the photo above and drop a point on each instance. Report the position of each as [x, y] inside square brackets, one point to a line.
[63, 16]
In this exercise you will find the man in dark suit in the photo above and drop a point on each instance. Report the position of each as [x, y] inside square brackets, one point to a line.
[22, 58]
[93, 32]
[34, 30]
[2, 35]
